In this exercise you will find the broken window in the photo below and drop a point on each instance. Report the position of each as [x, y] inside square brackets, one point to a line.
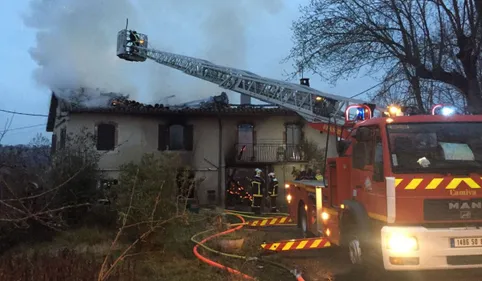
[175, 137]
[106, 137]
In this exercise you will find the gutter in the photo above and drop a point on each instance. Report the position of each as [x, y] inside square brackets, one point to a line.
[220, 163]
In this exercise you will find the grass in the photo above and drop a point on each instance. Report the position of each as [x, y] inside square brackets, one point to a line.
[168, 255]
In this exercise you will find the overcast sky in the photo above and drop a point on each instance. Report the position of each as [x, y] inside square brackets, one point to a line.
[78, 48]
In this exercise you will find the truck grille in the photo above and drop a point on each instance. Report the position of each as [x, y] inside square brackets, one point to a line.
[452, 209]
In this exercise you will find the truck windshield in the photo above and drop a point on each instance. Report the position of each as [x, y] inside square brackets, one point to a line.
[435, 147]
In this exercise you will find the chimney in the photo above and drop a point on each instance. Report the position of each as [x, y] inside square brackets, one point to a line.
[305, 82]
[245, 99]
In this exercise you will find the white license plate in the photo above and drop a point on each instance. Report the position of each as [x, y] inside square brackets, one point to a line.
[466, 242]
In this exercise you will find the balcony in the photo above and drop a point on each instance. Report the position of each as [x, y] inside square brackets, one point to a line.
[267, 153]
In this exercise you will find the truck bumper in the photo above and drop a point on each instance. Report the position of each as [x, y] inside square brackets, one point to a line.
[433, 248]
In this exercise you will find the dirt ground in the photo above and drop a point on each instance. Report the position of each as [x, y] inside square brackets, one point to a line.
[331, 265]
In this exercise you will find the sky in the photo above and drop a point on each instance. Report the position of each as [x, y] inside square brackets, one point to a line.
[77, 48]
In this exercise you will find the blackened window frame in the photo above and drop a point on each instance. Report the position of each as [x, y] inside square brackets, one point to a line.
[111, 144]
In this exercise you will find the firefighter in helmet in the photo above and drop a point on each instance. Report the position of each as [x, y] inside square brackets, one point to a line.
[257, 190]
[134, 38]
[273, 191]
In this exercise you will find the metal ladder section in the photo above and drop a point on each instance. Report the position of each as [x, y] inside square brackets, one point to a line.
[313, 105]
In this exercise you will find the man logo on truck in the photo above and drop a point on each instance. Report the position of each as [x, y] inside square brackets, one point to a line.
[465, 205]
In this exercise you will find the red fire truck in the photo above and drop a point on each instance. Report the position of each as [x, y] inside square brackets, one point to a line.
[405, 190]
[406, 186]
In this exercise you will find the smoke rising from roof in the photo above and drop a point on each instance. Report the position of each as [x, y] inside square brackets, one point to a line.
[76, 42]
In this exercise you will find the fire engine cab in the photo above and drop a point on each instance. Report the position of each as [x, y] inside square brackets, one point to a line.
[405, 190]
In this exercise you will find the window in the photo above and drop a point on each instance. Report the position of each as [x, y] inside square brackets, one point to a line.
[175, 137]
[106, 137]
[364, 150]
[246, 140]
[63, 137]
[293, 134]
[293, 140]
[378, 158]
[245, 134]
[435, 147]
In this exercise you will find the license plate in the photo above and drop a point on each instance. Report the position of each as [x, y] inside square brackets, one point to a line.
[467, 242]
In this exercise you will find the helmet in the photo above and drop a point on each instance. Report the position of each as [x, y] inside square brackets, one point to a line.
[271, 175]
[258, 171]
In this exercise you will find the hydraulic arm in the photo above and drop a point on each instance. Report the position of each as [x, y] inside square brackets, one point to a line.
[313, 105]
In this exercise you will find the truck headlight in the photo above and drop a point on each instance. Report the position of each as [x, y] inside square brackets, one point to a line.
[402, 243]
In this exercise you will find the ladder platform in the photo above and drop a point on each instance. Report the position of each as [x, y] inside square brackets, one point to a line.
[270, 222]
[297, 244]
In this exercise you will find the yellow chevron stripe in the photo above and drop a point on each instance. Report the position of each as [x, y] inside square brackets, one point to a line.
[274, 246]
[471, 183]
[413, 184]
[302, 244]
[273, 221]
[287, 246]
[435, 183]
[283, 219]
[316, 243]
[263, 222]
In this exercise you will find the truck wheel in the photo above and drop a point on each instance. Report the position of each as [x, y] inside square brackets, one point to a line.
[355, 251]
[303, 222]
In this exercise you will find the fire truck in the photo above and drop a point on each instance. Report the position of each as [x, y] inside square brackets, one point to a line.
[405, 189]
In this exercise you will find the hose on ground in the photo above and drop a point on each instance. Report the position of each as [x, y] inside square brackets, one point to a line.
[231, 270]
[218, 265]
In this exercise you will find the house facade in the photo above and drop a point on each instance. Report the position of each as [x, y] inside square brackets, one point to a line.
[209, 139]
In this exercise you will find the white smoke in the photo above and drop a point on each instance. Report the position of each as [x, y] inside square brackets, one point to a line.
[76, 42]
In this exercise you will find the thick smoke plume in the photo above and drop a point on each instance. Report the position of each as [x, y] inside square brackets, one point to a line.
[76, 42]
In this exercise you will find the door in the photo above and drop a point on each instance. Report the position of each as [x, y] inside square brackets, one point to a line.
[293, 142]
[246, 140]
[368, 174]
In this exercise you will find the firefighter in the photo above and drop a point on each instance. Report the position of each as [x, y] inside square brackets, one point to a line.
[318, 176]
[257, 190]
[273, 191]
[134, 38]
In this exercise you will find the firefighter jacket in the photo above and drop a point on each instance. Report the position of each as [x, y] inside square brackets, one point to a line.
[273, 187]
[257, 186]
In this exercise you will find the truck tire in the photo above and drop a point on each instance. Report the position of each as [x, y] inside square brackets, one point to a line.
[303, 222]
[355, 243]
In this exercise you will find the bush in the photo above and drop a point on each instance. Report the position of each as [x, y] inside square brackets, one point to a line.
[75, 169]
[146, 193]
[45, 195]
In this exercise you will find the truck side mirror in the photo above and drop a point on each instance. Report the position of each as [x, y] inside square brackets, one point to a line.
[342, 146]
[359, 155]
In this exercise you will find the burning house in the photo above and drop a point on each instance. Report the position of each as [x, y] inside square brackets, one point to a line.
[208, 134]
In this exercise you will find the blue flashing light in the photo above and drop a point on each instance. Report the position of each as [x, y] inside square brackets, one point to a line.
[360, 114]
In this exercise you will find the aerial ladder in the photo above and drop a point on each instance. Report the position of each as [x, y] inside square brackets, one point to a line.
[313, 105]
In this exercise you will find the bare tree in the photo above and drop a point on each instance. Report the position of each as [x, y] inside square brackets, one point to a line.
[401, 86]
[7, 126]
[432, 40]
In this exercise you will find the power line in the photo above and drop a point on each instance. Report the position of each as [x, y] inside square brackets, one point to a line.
[21, 128]
[364, 91]
[23, 113]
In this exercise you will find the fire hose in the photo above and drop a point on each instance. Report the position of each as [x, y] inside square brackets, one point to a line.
[229, 269]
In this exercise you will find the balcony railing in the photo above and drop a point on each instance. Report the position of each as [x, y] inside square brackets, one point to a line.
[268, 153]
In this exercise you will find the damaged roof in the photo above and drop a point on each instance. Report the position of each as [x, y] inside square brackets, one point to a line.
[120, 104]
